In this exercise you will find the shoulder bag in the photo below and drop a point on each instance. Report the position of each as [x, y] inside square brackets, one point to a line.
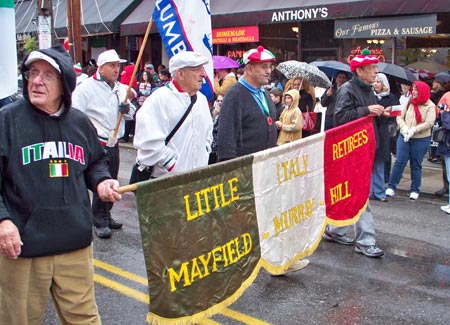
[139, 174]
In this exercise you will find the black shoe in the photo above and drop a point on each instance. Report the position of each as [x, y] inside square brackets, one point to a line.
[122, 140]
[102, 232]
[340, 239]
[113, 224]
[369, 251]
[441, 192]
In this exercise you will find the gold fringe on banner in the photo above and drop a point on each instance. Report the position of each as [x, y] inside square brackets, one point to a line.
[194, 319]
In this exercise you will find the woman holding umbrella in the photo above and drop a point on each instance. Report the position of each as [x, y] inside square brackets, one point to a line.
[224, 78]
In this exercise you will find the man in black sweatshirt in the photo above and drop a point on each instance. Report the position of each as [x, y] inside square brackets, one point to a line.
[49, 157]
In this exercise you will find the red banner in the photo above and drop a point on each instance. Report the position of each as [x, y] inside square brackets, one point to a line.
[348, 154]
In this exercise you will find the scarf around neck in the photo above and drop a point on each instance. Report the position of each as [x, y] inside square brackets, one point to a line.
[423, 95]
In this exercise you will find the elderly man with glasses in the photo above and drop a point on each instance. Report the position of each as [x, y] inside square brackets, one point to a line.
[50, 157]
[177, 103]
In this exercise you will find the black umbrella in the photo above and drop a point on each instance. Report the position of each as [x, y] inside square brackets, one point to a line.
[397, 72]
[444, 76]
[331, 68]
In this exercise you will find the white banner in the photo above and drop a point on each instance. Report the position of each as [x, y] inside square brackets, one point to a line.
[299, 226]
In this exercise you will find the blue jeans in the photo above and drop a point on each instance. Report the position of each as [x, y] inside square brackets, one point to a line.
[414, 150]
[447, 165]
[377, 187]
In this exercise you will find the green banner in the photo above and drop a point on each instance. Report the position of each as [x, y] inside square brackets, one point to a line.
[194, 267]
[6, 3]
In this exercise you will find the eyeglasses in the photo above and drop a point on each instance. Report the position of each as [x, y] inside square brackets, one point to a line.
[196, 69]
[219, 101]
[370, 67]
[47, 77]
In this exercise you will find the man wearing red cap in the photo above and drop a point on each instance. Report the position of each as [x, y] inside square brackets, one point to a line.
[356, 99]
[248, 115]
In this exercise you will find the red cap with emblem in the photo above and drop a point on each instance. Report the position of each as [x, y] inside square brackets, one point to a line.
[362, 60]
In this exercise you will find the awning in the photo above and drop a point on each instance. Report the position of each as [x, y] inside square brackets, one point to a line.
[136, 23]
[226, 13]
[26, 18]
[98, 16]
[238, 12]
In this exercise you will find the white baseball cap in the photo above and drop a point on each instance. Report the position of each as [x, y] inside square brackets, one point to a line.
[186, 59]
[36, 55]
[109, 56]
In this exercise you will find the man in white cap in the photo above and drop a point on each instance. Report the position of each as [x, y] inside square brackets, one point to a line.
[102, 98]
[356, 99]
[158, 117]
[50, 158]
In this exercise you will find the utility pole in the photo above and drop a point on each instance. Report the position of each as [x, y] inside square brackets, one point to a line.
[45, 24]
[74, 30]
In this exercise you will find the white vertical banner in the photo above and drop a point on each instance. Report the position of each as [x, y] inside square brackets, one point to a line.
[8, 52]
[288, 183]
[185, 25]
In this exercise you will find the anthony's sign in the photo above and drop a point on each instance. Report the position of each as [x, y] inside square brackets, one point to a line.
[386, 27]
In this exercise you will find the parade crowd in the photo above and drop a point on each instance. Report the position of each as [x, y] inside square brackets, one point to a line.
[62, 139]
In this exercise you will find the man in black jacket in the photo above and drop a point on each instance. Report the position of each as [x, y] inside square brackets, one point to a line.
[354, 100]
[50, 157]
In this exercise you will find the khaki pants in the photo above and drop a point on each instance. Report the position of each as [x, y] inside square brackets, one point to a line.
[25, 284]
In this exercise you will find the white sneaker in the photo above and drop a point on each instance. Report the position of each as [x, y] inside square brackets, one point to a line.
[413, 196]
[390, 192]
[295, 267]
[446, 208]
[298, 265]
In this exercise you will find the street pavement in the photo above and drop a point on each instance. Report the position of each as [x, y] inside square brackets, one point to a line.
[409, 285]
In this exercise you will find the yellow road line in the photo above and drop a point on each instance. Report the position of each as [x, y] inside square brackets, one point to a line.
[143, 297]
[242, 317]
[137, 295]
[120, 272]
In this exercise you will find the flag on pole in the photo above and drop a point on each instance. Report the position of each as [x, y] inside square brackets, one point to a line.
[8, 54]
[185, 25]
